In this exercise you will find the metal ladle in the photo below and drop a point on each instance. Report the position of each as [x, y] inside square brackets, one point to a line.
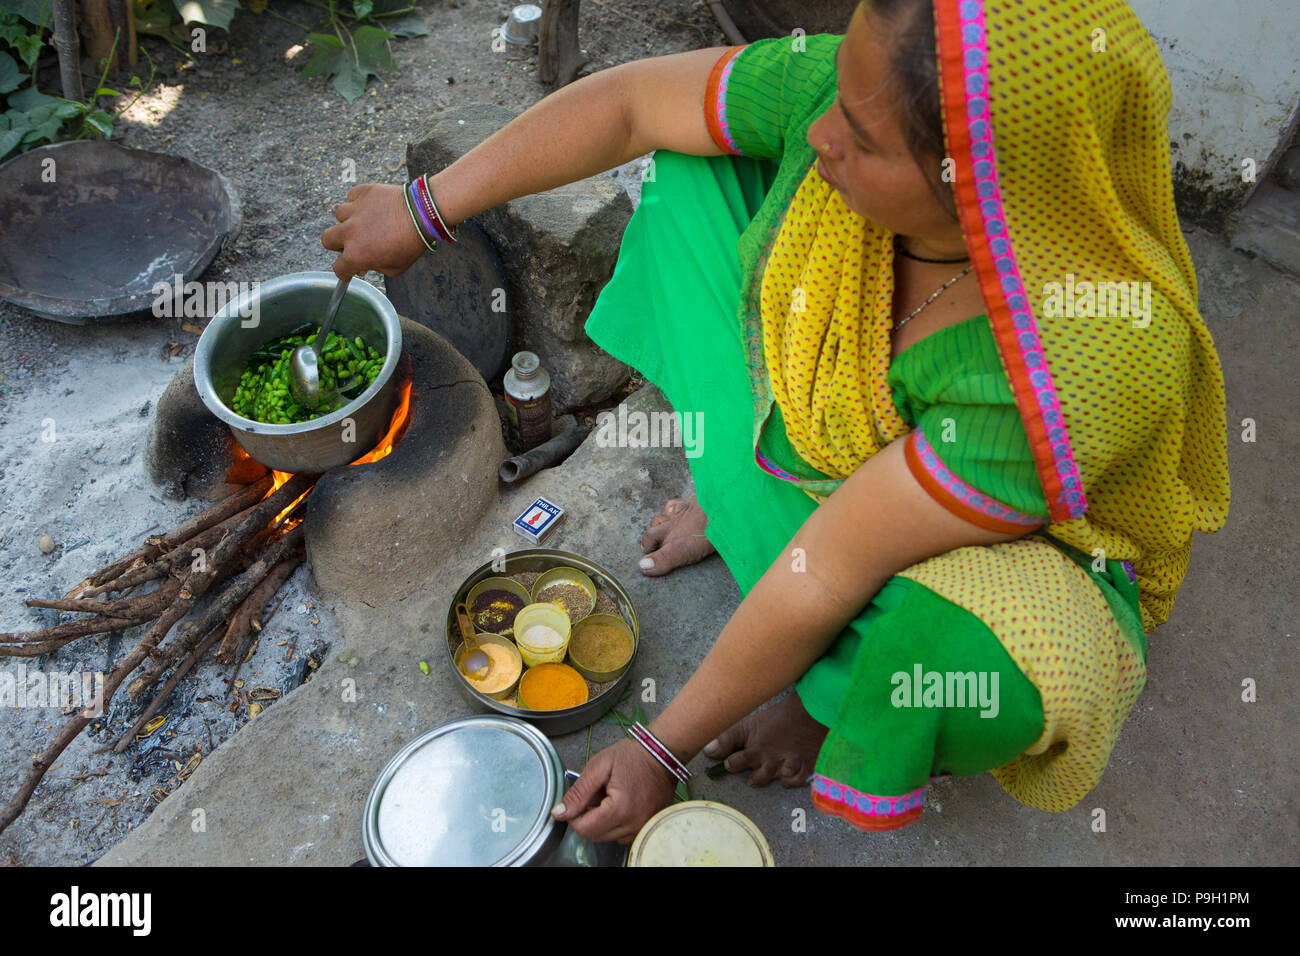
[473, 662]
[304, 364]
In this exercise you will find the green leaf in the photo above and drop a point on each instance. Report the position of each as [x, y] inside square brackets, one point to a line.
[33, 11]
[45, 125]
[638, 715]
[29, 48]
[105, 91]
[352, 64]
[372, 49]
[100, 122]
[682, 792]
[29, 98]
[9, 139]
[68, 108]
[153, 18]
[362, 8]
[11, 31]
[18, 121]
[214, 13]
[10, 76]
[410, 25]
[717, 771]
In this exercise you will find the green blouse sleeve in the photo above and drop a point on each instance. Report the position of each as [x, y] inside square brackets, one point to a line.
[968, 447]
[758, 92]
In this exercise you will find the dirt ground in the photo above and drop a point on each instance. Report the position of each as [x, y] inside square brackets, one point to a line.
[240, 108]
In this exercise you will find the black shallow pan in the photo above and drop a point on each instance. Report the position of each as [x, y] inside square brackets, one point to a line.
[89, 247]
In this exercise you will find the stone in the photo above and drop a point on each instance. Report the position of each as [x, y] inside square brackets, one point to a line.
[460, 294]
[558, 248]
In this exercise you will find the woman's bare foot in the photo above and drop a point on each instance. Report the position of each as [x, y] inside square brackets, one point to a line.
[779, 742]
[675, 538]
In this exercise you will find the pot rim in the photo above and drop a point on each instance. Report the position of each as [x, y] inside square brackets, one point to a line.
[203, 352]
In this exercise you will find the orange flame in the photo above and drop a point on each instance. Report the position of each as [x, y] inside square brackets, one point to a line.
[396, 428]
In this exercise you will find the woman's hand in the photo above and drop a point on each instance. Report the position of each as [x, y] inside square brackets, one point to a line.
[634, 787]
[374, 232]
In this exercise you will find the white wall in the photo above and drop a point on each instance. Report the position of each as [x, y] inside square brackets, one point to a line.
[1235, 70]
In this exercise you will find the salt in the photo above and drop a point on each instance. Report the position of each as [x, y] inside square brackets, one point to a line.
[542, 637]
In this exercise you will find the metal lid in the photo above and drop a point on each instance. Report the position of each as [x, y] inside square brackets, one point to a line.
[474, 792]
[700, 833]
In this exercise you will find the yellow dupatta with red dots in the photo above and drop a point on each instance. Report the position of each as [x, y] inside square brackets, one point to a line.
[1055, 115]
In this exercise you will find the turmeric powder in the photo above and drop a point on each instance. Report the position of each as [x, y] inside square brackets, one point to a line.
[552, 687]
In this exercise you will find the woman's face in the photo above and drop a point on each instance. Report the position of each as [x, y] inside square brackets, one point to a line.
[868, 161]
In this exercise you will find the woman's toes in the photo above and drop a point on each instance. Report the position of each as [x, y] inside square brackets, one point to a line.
[653, 537]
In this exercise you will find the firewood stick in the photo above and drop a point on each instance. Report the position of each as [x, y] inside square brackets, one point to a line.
[216, 615]
[166, 657]
[239, 501]
[192, 587]
[171, 562]
[248, 614]
[231, 598]
[126, 607]
[194, 656]
[30, 643]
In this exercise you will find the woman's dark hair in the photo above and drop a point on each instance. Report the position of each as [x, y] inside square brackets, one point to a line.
[915, 68]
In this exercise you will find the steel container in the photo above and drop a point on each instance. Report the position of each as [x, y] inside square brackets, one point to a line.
[552, 722]
[277, 307]
[477, 791]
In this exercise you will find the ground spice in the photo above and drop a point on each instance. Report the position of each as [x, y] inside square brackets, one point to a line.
[494, 610]
[576, 600]
[505, 669]
[552, 687]
[601, 647]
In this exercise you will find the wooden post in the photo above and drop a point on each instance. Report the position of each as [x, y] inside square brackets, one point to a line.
[558, 55]
[98, 28]
[68, 47]
[122, 13]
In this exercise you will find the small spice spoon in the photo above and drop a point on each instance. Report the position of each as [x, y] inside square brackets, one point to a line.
[473, 662]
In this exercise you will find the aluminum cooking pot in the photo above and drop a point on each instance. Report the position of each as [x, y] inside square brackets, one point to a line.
[476, 792]
[273, 309]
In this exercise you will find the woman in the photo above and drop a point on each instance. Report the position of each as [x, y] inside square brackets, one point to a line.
[956, 488]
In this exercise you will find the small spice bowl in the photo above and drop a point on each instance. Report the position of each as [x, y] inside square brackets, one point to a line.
[587, 638]
[486, 638]
[558, 577]
[509, 585]
[548, 615]
[559, 673]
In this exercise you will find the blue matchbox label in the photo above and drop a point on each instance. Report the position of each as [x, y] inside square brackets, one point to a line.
[538, 518]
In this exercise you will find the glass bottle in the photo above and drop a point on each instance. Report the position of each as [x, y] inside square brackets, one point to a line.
[528, 400]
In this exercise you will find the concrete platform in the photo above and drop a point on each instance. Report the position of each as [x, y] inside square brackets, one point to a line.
[1198, 776]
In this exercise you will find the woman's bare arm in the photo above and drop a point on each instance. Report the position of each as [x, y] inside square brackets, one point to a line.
[879, 522]
[596, 123]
